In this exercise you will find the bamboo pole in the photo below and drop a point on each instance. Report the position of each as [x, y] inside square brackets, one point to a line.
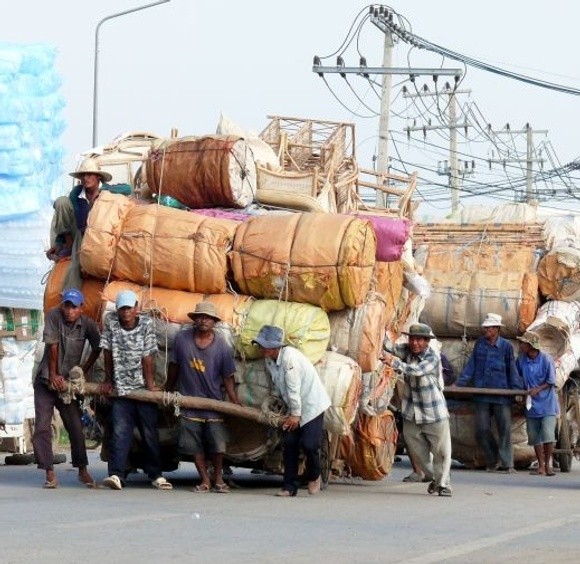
[465, 391]
[170, 399]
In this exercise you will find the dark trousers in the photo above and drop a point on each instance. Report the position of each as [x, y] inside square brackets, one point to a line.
[496, 452]
[126, 414]
[309, 439]
[45, 400]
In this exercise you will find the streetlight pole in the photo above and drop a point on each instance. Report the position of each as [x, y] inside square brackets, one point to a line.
[96, 64]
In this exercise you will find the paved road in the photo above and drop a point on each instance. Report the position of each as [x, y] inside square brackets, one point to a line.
[491, 518]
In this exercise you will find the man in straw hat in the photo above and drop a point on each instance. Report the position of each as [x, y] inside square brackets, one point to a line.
[492, 365]
[298, 385]
[542, 407]
[71, 212]
[201, 364]
[425, 414]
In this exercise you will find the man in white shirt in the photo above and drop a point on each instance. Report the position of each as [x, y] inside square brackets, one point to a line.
[300, 388]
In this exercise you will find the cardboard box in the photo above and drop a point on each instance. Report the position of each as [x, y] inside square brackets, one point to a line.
[23, 324]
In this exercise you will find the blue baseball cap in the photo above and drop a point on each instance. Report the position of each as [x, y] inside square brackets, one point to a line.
[270, 337]
[126, 298]
[74, 296]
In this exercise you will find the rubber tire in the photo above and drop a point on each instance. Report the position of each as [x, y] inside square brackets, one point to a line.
[325, 462]
[18, 459]
[563, 441]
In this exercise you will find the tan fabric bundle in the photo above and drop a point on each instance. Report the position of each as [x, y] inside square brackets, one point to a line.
[104, 227]
[342, 378]
[359, 332]
[174, 249]
[92, 290]
[174, 305]
[274, 256]
[559, 274]
[203, 172]
[460, 300]
[388, 282]
[464, 443]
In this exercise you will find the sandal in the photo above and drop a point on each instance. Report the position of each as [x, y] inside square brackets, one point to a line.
[50, 484]
[550, 472]
[221, 488]
[202, 488]
[162, 484]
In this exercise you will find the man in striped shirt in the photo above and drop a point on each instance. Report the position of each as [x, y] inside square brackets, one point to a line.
[425, 415]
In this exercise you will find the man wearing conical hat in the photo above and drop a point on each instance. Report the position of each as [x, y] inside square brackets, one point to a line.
[492, 365]
[70, 216]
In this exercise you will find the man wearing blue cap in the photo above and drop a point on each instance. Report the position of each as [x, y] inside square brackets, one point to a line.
[65, 331]
[301, 389]
[130, 346]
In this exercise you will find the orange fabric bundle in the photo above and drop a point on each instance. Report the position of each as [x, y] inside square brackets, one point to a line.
[274, 257]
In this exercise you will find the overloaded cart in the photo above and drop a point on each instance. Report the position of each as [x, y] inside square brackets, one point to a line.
[525, 272]
[251, 225]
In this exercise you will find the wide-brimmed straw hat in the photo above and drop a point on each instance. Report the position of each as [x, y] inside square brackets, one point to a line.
[269, 337]
[90, 166]
[492, 320]
[533, 339]
[204, 308]
[420, 330]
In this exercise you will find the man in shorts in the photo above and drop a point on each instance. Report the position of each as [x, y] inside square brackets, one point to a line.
[542, 407]
[201, 364]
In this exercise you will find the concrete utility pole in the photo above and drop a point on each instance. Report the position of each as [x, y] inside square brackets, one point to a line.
[383, 144]
[453, 170]
[529, 160]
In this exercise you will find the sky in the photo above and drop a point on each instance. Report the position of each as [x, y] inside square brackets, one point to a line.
[179, 64]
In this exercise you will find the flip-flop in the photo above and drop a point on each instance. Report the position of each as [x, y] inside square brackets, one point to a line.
[50, 484]
[90, 485]
[550, 472]
[202, 488]
[537, 473]
[161, 484]
[221, 488]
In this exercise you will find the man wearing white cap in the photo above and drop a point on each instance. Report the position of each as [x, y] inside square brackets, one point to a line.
[492, 365]
[71, 212]
[130, 345]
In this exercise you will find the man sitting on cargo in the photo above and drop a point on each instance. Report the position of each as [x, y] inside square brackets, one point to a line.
[425, 414]
[201, 364]
[492, 365]
[71, 214]
[300, 388]
[66, 330]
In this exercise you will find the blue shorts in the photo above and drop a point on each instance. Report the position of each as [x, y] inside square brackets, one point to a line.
[541, 430]
[202, 437]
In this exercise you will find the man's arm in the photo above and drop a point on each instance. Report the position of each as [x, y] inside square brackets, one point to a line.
[149, 373]
[56, 381]
[172, 374]
[468, 372]
[230, 385]
[95, 353]
[515, 380]
[107, 385]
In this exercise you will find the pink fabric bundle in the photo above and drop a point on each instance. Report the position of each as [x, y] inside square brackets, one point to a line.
[391, 236]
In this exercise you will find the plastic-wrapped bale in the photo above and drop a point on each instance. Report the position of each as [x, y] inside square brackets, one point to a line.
[359, 332]
[317, 258]
[378, 389]
[342, 378]
[460, 300]
[464, 444]
[559, 274]
[174, 249]
[555, 323]
[305, 326]
[249, 440]
[370, 452]
[92, 289]
[203, 172]
[174, 305]
[104, 227]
